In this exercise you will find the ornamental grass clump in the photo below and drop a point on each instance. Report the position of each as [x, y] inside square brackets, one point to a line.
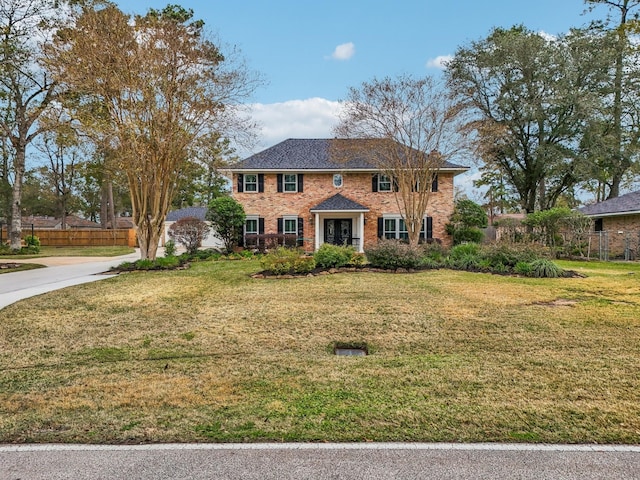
[544, 268]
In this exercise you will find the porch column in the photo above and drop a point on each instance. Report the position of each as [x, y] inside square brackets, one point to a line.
[317, 232]
[361, 229]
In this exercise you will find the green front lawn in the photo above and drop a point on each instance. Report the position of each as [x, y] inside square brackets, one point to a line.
[73, 252]
[210, 354]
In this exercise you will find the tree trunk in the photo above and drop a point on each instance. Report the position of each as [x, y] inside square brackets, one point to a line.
[149, 234]
[15, 236]
[111, 207]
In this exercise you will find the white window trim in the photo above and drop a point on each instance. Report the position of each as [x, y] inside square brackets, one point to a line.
[293, 218]
[338, 176]
[397, 232]
[294, 182]
[388, 181]
[255, 218]
[245, 183]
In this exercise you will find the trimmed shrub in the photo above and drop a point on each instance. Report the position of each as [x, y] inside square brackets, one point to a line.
[282, 261]
[393, 254]
[304, 264]
[544, 268]
[189, 232]
[333, 256]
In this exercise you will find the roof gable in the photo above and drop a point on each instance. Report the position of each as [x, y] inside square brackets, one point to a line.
[624, 204]
[339, 202]
[310, 154]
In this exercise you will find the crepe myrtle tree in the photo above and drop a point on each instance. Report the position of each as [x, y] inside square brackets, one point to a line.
[227, 218]
[410, 128]
[149, 86]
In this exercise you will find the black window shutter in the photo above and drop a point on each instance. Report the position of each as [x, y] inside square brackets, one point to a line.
[240, 183]
[434, 184]
[374, 183]
[429, 230]
[380, 227]
[261, 182]
[300, 227]
[280, 189]
[395, 185]
[280, 225]
[300, 183]
[261, 226]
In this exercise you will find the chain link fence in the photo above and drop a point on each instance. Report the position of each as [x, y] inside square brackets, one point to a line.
[606, 245]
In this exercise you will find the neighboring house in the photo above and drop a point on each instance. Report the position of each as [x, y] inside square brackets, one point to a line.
[296, 188]
[211, 241]
[619, 219]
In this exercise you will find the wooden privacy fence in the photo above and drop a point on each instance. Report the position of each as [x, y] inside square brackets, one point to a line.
[81, 237]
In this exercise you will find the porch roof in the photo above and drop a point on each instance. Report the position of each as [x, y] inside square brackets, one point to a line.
[338, 203]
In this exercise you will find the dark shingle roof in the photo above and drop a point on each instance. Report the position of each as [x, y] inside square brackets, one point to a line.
[339, 203]
[198, 212]
[309, 154]
[624, 204]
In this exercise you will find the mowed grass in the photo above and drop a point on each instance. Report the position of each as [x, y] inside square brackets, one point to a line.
[210, 354]
[46, 251]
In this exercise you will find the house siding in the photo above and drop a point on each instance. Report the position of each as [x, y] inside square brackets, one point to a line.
[356, 186]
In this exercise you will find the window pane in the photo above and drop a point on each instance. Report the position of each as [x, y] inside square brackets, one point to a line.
[250, 183]
[291, 226]
[290, 182]
[251, 227]
[384, 183]
[390, 226]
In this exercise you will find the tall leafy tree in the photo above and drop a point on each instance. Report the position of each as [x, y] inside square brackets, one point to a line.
[529, 98]
[26, 89]
[412, 130]
[614, 140]
[151, 86]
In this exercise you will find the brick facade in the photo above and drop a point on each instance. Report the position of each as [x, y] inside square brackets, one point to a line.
[623, 232]
[356, 186]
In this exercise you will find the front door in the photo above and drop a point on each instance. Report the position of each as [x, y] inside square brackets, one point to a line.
[338, 231]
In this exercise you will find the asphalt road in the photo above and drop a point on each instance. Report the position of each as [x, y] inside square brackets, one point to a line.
[63, 272]
[321, 461]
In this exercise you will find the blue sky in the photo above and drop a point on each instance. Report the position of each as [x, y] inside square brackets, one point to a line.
[311, 52]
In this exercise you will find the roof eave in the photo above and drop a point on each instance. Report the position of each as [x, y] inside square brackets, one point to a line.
[613, 214]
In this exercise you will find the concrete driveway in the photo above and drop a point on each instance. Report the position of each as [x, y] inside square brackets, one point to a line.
[61, 272]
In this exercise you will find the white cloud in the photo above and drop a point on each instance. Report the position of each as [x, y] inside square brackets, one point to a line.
[344, 51]
[440, 62]
[310, 118]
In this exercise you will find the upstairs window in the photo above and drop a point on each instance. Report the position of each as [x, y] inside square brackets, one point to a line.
[290, 182]
[251, 182]
[382, 183]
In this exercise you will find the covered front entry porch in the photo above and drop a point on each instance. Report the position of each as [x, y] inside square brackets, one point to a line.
[339, 221]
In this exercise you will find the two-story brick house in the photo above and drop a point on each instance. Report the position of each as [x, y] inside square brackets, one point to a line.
[297, 188]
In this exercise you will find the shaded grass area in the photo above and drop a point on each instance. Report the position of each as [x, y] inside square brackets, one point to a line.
[74, 252]
[210, 354]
